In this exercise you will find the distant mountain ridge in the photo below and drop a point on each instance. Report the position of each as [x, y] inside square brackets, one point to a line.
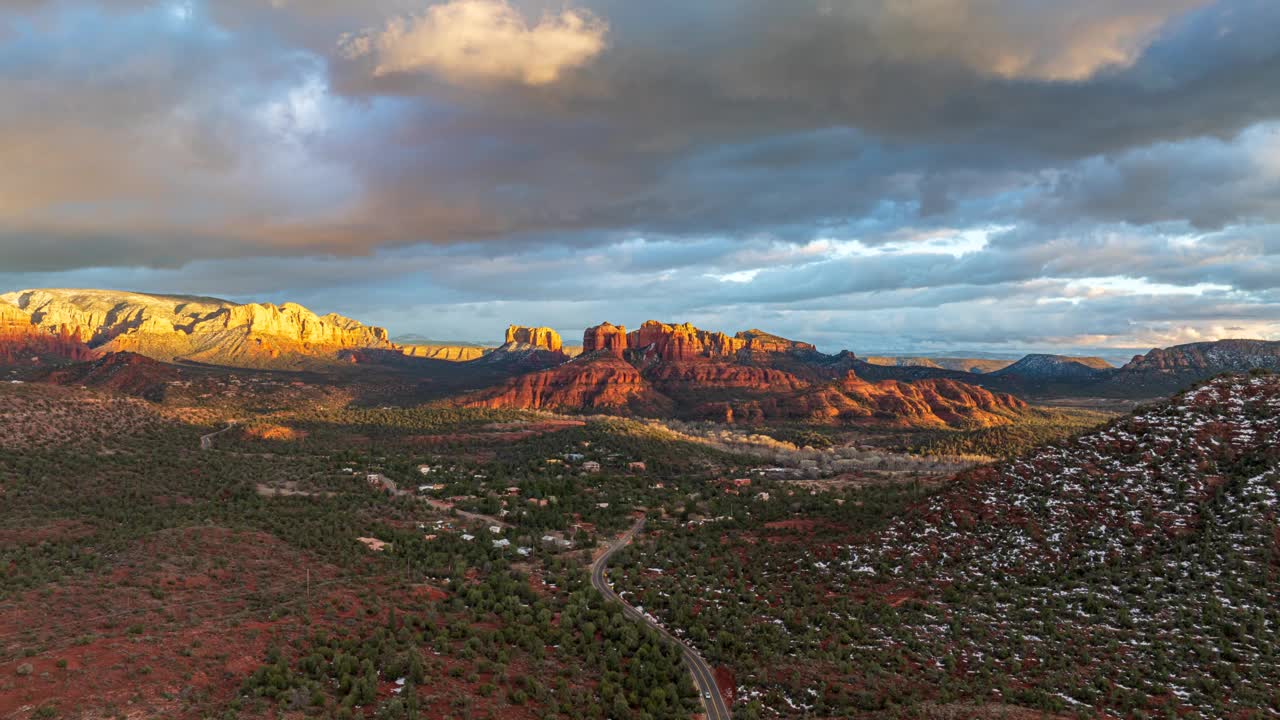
[706, 373]
[206, 330]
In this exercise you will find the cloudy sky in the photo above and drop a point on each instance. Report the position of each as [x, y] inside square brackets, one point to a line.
[878, 175]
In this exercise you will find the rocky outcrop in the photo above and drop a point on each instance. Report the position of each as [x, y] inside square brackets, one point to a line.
[677, 370]
[758, 341]
[1209, 357]
[670, 342]
[173, 328]
[539, 338]
[603, 382]
[854, 401]
[22, 343]
[447, 353]
[606, 338]
[125, 373]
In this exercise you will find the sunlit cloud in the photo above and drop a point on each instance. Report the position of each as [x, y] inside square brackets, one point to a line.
[465, 40]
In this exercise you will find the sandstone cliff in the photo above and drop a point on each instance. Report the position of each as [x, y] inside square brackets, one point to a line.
[684, 342]
[23, 343]
[448, 353]
[679, 370]
[540, 338]
[607, 338]
[172, 328]
[603, 382]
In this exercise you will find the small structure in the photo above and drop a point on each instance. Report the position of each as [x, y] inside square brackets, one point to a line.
[425, 469]
[591, 466]
[763, 497]
[574, 457]
[637, 467]
[495, 529]
[466, 537]
[378, 481]
[513, 490]
[524, 551]
[557, 542]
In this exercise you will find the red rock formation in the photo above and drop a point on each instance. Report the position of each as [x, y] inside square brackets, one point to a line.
[21, 341]
[1211, 357]
[603, 382]
[925, 403]
[542, 338]
[675, 379]
[760, 341]
[607, 337]
[679, 370]
[119, 372]
[681, 342]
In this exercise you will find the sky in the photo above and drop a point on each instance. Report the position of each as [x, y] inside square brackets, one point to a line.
[874, 175]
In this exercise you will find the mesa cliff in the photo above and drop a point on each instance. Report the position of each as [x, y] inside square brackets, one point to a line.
[752, 376]
[204, 330]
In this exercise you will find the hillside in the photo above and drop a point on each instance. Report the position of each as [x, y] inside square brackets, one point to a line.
[1161, 525]
[1131, 572]
[204, 330]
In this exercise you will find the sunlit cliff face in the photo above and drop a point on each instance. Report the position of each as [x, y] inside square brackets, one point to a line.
[895, 176]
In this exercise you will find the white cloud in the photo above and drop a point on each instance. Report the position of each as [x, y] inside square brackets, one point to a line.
[487, 40]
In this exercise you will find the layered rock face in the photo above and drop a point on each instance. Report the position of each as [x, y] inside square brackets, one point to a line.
[684, 342]
[447, 353]
[22, 342]
[539, 338]
[607, 338]
[604, 382]
[679, 370]
[758, 341]
[1214, 357]
[170, 328]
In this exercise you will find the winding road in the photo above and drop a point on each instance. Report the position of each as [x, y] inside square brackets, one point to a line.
[206, 441]
[703, 678]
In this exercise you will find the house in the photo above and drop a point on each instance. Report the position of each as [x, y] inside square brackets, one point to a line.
[425, 469]
[574, 457]
[513, 490]
[763, 497]
[381, 482]
[495, 529]
[557, 541]
[429, 538]
[636, 467]
[603, 506]
[524, 551]
[742, 482]
[591, 466]
[373, 544]
[503, 543]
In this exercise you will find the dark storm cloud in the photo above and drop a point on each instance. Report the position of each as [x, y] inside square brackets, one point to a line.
[776, 161]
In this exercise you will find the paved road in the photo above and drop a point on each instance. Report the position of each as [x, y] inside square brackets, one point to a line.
[703, 678]
[206, 441]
